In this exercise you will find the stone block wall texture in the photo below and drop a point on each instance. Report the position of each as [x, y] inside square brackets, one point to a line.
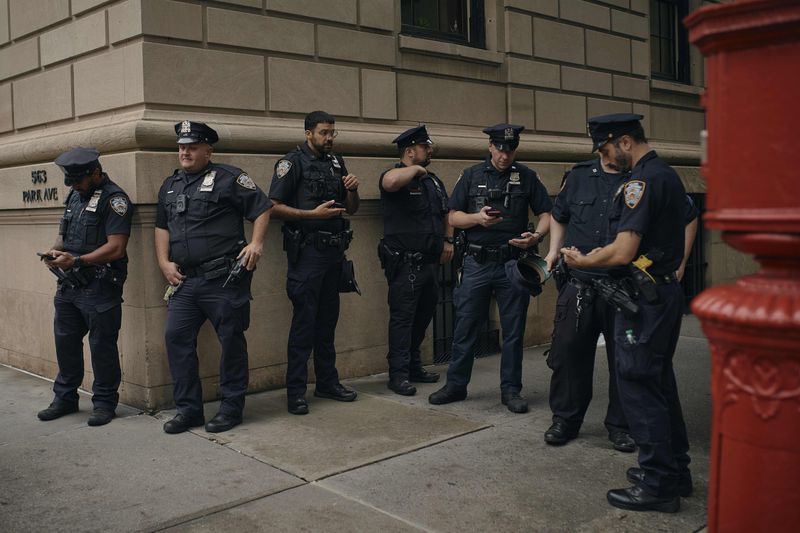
[116, 73]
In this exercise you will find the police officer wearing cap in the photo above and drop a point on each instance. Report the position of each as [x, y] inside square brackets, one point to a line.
[311, 189]
[202, 253]
[90, 261]
[417, 238]
[649, 218]
[490, 203]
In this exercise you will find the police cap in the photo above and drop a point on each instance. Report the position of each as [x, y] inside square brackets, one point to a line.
[195, 132]
[607, 127]
[528, 273]
[504, 137]
[410, 137]
[77, 163]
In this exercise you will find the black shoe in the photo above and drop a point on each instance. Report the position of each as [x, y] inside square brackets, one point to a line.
[223, 422]
[423, 376]
[338, 392]
[101, 416]
[685, 488]
[402, 387]
[559, 433]
[182, 423]
[514, 402]
[297, 405]
[447, 394]
[57, 410]
[622, 441]
[636, 499]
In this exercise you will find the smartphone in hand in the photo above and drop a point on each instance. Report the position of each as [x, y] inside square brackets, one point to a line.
[493, 212]
[45, 257]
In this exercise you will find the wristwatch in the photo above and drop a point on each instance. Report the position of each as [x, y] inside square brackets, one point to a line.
[538, 236]
[77, 261]
[448, 239]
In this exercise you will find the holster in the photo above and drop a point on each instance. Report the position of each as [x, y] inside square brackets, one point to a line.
[390, 260]
[645, 284]
[292, 242]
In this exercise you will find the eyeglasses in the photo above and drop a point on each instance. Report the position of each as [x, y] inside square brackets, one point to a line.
[328, 133]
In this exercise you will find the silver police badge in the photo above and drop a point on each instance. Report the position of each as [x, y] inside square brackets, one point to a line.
[634, 190]
[245, 181]
[120, 205]
[514, 179]
[283, 168]
[509, 134]
[93, 201]
[186, 127]
[208, 182]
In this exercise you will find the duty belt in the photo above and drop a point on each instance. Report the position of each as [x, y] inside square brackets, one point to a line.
[219, 265]
[493, 254]
[665, 279]
[327, 239]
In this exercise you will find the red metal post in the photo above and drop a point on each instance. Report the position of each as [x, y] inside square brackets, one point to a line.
[752, 171]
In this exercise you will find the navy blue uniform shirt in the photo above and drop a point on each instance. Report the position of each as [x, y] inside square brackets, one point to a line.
[653, 204]
[584, 205]
[304, 180]
[209, 224]
[413, 216]
[525, 191]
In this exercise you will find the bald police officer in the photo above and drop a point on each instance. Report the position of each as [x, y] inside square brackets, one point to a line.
[202, 252]
[89, 258]
[490, 203]
[311, 188]
[648, 217]
[417, 238]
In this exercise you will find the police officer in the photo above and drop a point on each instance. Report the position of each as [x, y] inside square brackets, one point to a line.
[417, 238]
[201, 250]
[648, 215]
[581, 219]
[311, 188]
[90, 261]
[490, 203]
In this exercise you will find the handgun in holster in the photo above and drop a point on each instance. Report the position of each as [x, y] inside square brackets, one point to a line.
[459, 253]
[292, 242]
[390, 260]
[643, 279]
[561, 273]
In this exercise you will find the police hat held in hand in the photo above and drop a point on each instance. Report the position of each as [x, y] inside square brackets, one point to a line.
[528, 273]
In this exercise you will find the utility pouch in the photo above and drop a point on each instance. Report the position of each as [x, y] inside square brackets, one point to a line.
[645, 284]
[216, 268]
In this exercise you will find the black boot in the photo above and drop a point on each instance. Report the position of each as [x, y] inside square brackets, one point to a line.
[514, 402]
[637, 499]
[101, 416]
[223, 422]
[182, 423]
[685, 488]
[57, 410]
[559, 433]
[447, 395]
[401, 386]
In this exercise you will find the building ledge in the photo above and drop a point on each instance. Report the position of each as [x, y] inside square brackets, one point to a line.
[673, 87]
[456, 51]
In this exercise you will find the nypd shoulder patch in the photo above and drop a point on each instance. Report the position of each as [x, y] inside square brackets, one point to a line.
[245, 181]
[634, 190]
[120, 205]
[282, 168]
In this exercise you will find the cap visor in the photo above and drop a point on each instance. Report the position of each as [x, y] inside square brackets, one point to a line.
[188, 140]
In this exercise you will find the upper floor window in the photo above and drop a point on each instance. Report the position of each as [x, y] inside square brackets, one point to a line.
[669, 44]
[461, 21]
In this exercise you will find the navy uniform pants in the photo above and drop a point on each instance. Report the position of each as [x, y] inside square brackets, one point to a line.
[645, 346]
[97, 310]
[472, 298]
[312, 284]
[228, 310]
[413, 294]
[572, 355]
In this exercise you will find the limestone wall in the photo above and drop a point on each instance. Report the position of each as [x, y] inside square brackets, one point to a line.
[117, 74]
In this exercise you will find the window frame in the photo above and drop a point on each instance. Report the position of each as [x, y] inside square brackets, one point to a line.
[474, 24]
[679, 41]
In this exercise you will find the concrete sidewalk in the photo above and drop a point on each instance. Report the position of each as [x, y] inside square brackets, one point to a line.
[383, 463]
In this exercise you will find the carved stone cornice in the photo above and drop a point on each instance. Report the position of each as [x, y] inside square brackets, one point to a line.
[149, 129]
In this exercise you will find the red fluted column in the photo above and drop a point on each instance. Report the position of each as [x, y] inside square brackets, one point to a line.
[752, 170]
